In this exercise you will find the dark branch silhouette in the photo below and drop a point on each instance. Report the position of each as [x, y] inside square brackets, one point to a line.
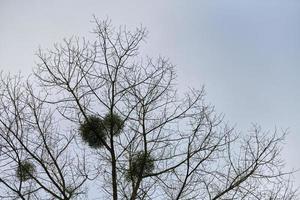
[96, 112]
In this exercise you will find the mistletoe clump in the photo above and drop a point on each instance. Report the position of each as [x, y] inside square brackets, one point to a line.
[25, 170]
[92, 132]
[114, 122]
[141, 164]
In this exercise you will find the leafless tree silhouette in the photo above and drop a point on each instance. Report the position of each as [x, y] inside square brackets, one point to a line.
[98, 112]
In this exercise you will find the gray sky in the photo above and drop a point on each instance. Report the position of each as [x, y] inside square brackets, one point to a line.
[246, 52]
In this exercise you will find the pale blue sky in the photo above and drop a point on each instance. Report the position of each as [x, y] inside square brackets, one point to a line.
[247, 53]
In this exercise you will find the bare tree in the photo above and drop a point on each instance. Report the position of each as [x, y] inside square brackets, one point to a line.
[145, 140]
[36, 159]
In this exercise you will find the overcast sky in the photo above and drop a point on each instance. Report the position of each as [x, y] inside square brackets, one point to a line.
[246, 53]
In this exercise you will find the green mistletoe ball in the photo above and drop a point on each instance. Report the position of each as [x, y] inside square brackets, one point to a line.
[113, 122]
[140, 164]
[95, 130]
[25, 170]
[92, 132]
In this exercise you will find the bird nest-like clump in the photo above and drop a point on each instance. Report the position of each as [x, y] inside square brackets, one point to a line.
[141, 164]
[114, 122]
[94, 130]
[25, 170]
